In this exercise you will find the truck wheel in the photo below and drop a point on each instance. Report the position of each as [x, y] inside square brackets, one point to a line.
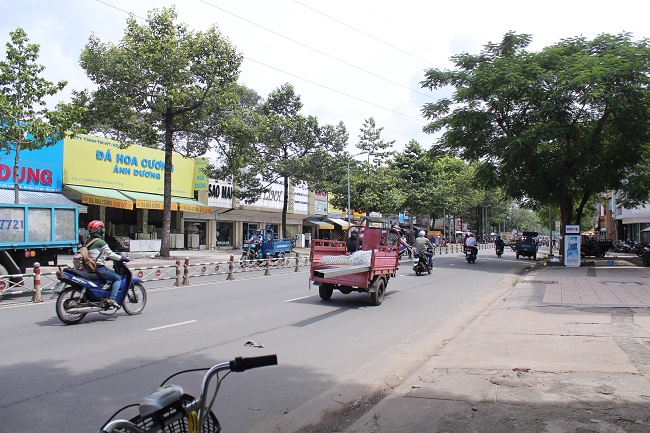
[517, 255]
[377, 297]
[325, 291]
[535, 256]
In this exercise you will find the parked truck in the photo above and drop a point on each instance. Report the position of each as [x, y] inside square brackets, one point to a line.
[35, 233]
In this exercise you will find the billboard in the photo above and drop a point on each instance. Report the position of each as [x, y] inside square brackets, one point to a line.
[99, 162]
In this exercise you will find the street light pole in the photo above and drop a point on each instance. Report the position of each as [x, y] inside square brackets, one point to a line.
[348, 212]
[349, 208]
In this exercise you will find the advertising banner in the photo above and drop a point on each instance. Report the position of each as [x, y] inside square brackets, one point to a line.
[572, 251]
[99, 162]
[200, 180]
[572, 245]
[38, 170]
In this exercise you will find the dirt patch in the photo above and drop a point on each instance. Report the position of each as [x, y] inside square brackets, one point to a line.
[340, 420]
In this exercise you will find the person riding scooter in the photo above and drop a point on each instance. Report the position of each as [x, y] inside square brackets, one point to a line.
[499, 246]
[422, 245]
[470, 242]
[255, 243]
[99, 251]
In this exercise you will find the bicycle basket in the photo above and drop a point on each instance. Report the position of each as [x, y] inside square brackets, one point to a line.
[174, 420]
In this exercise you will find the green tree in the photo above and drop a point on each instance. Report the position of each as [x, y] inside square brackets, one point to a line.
[294, 147]
[158, 87]
[377, 155]
[414, 170]
[557, 125]
[25, 122]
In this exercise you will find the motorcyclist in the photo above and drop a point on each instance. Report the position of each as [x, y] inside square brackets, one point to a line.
[470, 242]
[421, 247]
[404, 247]
[255, 242]
[499, 244]
[354, 242]
[99, 251]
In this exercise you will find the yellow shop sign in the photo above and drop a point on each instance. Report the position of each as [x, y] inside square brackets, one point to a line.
[98, 162]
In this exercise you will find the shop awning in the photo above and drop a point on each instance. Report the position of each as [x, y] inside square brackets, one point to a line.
[101, 196]
[191, 205]
[149, 201]
[40, 197]
[339, 221]
[323, 225]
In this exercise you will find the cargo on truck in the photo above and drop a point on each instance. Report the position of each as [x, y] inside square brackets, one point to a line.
[367, 270]
[32, 233]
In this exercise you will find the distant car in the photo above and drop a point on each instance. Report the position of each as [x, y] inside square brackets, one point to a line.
[526, 245]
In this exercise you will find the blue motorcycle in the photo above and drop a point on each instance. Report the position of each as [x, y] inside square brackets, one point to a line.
[79, 292]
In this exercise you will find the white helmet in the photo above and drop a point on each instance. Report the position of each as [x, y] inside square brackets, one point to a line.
[422, 233]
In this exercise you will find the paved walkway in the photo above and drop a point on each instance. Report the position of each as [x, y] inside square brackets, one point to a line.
[564, 350]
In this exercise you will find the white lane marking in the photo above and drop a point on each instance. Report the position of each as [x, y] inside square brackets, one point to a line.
[297, 299]
[172, 325]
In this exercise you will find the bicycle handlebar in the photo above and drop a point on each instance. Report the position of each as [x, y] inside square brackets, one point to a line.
[240, 364]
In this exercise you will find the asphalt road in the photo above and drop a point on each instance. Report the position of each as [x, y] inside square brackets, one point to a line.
[332, 355]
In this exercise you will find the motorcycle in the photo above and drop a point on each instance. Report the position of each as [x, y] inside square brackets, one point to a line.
[499, 251]
[249, 254]
[470, 254]
[421, 263]
[646, 255]
[79, 292]
[405, 250]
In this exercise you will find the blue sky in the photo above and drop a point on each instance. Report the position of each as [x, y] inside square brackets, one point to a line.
[348, 59]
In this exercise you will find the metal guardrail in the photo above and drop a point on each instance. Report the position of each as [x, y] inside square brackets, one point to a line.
[180, 272]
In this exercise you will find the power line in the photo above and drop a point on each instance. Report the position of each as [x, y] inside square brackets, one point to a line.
[337, 91]
[121, 10]
[363, 33]
[316, 50]
[288, 73]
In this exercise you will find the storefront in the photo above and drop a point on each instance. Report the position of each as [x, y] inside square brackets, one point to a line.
[125, 187]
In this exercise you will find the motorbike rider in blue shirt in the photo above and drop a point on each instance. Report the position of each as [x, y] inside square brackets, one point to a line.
[99, 251]
[421, 247]
[255, 242]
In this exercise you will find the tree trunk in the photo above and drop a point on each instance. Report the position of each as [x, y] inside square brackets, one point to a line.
[285, 206]
[167, 192]
[15, 174]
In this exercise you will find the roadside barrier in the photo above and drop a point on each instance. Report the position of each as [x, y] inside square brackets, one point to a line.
[38, 282]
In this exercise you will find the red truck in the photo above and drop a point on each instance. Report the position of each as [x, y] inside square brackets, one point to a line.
[366, 271]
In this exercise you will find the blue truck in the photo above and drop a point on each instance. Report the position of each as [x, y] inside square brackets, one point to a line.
[35, 233]
[271, 245]
[526, 245]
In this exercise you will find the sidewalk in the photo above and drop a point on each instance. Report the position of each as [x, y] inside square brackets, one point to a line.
[564, 350]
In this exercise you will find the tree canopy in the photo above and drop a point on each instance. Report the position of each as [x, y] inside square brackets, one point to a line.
[554, 126]
[25, 122]
[162, 86]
